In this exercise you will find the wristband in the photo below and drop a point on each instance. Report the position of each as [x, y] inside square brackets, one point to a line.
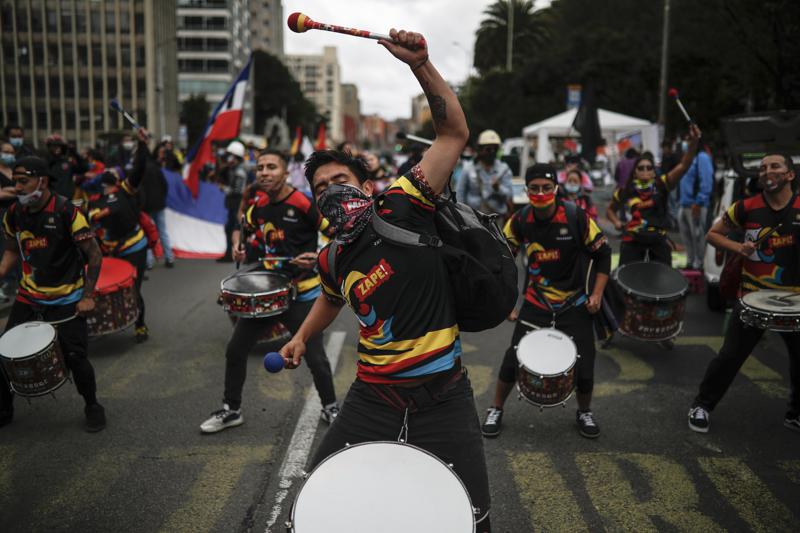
[420, 64]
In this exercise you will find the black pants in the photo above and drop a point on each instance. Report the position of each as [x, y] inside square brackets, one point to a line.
[245, 335]
[441, 420]
[139, 261]
[740, 339]
[659, 251]
[575, 322]
[73, 338]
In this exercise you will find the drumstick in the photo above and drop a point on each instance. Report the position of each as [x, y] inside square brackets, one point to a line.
[769, 234]
[300, 23]
[276, 258]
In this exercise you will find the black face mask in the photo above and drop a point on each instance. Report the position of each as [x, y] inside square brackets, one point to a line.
[347, 208]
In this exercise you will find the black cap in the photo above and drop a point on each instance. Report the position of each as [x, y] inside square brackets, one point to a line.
[540, 170]
[32, 166]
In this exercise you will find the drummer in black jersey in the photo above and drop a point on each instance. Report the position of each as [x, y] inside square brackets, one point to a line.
[52, 238]
[114, 212]
[773, 264]
[287, 225]
[559, 240]
[645, 198]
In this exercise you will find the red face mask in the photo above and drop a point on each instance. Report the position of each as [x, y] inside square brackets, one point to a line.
[542, 201]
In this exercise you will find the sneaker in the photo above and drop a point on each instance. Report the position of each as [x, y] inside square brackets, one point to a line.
[699, 419]
[329, 413]
[222, 419]
[95, 417]
[142, 334]
[587, 425]
[491, 426]
[169, 263]
[791, 421]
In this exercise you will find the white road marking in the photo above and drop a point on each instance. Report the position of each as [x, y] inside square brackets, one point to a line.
[303, 437]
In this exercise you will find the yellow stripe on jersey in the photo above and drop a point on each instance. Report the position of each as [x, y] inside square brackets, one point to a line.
[29, 285]
[307, 284]
[410, 189]
[731, 213]
[112, 245]
[79, 223]
[407, 349]
[508, 230]
[594, 231]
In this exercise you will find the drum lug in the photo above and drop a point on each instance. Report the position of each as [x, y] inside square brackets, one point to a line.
[289, 526]
[450, 466]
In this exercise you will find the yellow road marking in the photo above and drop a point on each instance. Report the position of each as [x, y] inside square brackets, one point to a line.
[672, 496]
[222, 467]
[481, 377]
[748, 495]
[633, 374]
[468, 348]
[278, 386]
[544, 493]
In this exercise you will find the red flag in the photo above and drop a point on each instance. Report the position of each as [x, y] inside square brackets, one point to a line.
[223, 124]
[321, 144]
[298, 138]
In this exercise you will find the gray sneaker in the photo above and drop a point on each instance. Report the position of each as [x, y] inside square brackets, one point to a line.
[699, 419]
[222, 419]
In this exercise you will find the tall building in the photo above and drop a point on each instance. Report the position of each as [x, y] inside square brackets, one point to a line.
[319, 79]
[266, 26]
[64, 60]
[351, 113]
[213, 47]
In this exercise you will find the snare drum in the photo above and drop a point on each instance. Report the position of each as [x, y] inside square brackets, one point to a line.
[546, 376]
[32, 359]
[770, 309]
[386, 487]
[116, 305]
[655, 299]
[256, 294]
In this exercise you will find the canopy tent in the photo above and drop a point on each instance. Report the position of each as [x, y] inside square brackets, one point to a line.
[612, 126]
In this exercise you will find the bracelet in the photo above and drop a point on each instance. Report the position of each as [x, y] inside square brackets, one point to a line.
[420, 64]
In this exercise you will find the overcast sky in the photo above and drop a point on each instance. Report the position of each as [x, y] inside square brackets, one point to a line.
[385, 85]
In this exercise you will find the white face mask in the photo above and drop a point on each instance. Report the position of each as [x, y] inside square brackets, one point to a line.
[32, 198]
[128, 146]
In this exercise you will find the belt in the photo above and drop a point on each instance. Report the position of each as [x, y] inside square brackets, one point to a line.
[419, 393]
[431, 377]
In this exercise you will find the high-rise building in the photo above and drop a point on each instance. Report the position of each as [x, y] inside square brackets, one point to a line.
[213, 47]
[351, 113]
[266, 26]
[64, 60]
[319, 79]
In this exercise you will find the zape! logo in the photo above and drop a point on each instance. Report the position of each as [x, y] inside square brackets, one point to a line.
[376, 277]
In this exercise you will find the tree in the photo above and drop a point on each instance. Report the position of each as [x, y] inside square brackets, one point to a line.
[194, 114]
[277, 94]
[530, 31]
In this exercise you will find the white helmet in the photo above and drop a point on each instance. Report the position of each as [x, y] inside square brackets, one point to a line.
[489, 137]
[236, 148]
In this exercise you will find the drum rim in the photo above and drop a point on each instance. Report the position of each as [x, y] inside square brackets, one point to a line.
[368, 443]
[750, 307]
[114, 287]
[658, 298]
[287, 279]
[570, 339]
[28, 324]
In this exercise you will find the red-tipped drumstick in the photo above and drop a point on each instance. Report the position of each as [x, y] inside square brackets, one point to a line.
[300, 23]
[674, 94]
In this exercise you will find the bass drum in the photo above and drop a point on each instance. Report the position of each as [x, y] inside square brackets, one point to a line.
[116, 305]
[32, 359]
[655, 300]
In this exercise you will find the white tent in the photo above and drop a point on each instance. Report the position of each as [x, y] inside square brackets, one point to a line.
[613, 126]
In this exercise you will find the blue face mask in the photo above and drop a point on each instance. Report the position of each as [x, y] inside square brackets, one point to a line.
[16, 142]
[7, 159]
[572, 188]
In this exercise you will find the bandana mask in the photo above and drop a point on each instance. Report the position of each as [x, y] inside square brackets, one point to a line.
[28, 199]
[644, 187]
[542, 201]
[347, 208]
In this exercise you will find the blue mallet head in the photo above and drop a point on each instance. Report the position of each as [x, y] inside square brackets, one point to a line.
[273, 362]
[115, 105]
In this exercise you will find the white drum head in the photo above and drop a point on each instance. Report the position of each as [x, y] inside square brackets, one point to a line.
[26, 339]
[385, 487]
[546, 352]
[772, 301]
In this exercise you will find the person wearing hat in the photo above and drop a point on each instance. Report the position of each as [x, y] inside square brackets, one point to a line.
[52, 237]
[486, 184]
[555, 290]
[114, 213]
[234, 182]
[64, 163]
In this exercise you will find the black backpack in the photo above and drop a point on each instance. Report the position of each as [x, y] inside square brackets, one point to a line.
[483, 273]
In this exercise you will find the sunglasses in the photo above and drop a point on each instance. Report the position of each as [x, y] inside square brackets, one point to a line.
[645, 167]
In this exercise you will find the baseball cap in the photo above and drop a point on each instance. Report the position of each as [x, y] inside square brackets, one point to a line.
[32, 166]
[540, 170]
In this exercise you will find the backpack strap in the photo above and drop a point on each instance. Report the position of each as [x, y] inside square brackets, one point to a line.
[333, 251]
[400, 235]
[575, 223]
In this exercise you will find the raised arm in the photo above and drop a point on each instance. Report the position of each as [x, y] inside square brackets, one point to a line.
[675, 175]
[449, 121]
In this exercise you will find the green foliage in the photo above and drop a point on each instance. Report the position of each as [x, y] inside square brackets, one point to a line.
[726, 57]
[276, 93]
[194, 113]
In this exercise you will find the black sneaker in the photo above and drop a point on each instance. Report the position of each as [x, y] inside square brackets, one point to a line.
[586, 424]
[329, 413]
[169, 264]
[142, 334]
[95, 418]
[699, 419]
[791, 421]
[494, 420]
[6, 416]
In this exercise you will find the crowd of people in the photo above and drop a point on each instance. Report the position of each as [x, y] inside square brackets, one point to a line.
[410, 377]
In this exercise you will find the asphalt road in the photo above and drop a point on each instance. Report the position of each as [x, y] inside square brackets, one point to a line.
[151, 470]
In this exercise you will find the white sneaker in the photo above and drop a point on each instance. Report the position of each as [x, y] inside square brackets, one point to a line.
[222, 419]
